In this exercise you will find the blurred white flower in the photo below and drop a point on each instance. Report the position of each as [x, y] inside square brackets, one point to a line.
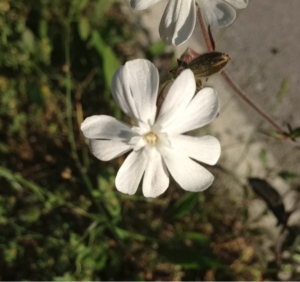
[157, 143]
[179, 19]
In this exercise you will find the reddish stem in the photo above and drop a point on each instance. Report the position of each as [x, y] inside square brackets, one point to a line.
[238, 91]
[208, 42]
[232, 84]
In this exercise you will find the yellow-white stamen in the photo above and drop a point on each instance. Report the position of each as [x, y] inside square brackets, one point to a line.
[151, 138]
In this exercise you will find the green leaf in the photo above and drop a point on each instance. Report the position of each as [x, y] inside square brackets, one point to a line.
[18, 123]
[28, 40]
[66, 277]
[110, 61]
[288, 176]
[124, 234]
[198, 237]
[103, 183]
[101, 8]
[43, 28]
[295, 133]
[284, 89]
[107, 193]
[3, 220]
[3, 148]
[296, 258]
[31, 215]
[19, 179]
[113, 205]
[276, 135]
[84, 28]
[190, 257]
[157, 48]
[82, 4]
[263, 156]
[185, 205]
[35, 94]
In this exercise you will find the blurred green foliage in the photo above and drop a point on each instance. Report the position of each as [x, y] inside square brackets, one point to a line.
[60, 215]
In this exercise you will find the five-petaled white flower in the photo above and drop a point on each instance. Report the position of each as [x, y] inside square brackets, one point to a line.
[157, 141]
[179, 19]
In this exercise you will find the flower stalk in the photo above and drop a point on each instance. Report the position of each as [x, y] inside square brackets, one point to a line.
[205, 34]
[233, 85]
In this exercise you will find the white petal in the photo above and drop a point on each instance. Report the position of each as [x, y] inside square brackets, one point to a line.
[130, 174]
[239, 4]
[135, 88]
[201, 111]
[206, 149]
[179, 96]
[217, 13]
[187, 173]
[106, 127]
[106, 150]
[144, 83]
[156, 178]
[178, 21]
[120, 89]
[142, 4]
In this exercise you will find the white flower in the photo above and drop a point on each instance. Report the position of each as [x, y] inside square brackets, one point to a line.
[157, 143]
[179, 19]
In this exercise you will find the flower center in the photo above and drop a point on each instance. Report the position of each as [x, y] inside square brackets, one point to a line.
[150, 138]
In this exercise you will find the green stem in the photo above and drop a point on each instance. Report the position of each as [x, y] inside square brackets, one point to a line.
[71, 136]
